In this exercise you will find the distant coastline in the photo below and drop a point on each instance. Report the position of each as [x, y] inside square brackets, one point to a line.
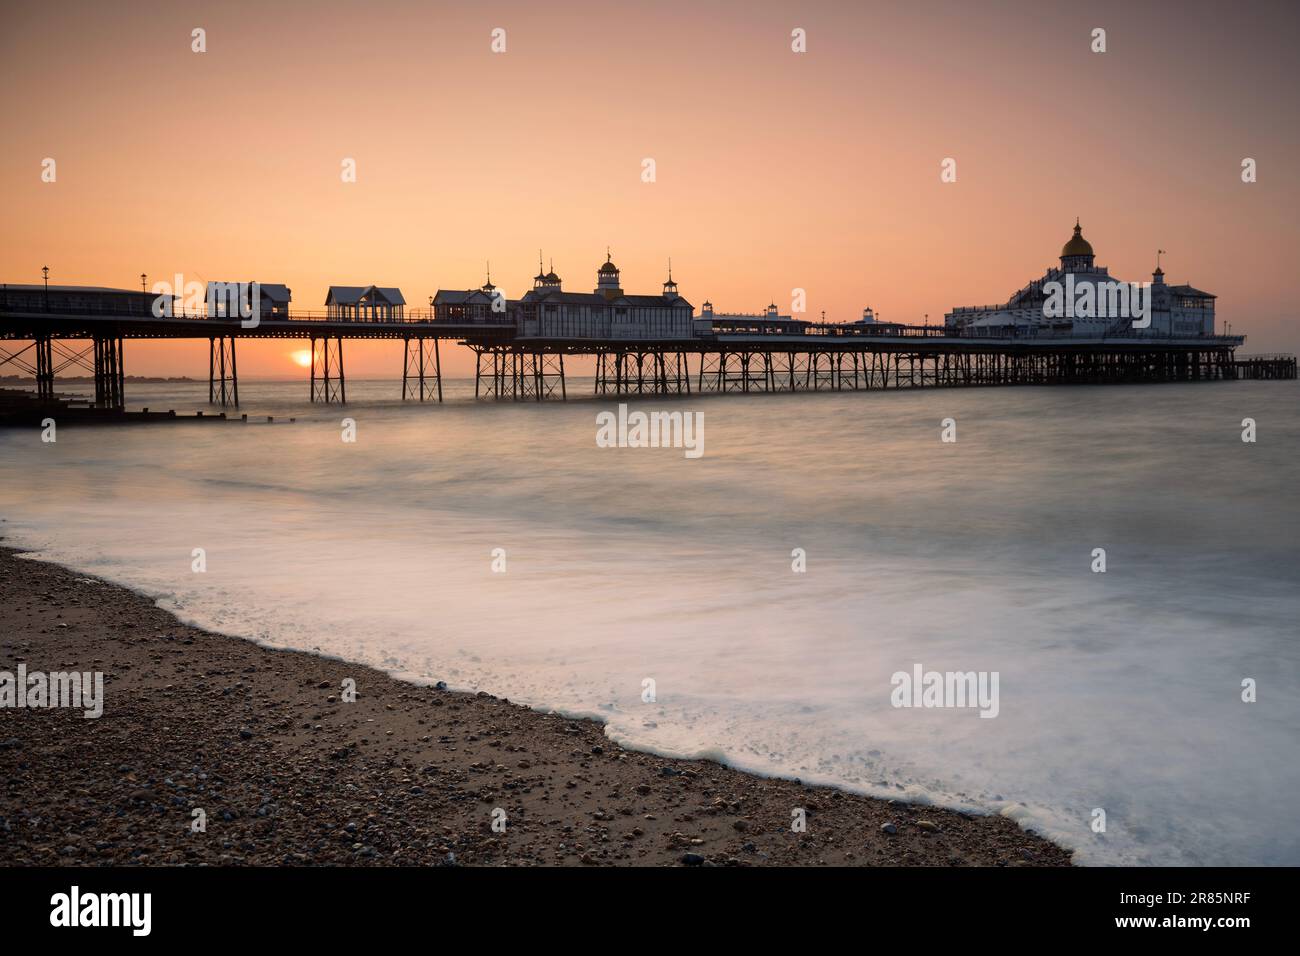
[90, 379]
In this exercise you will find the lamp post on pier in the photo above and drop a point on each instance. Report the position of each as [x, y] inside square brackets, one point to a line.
[45, 273]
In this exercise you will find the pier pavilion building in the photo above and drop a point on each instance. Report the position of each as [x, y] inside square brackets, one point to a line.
[88, 299]
[607, 312]
[1174, 309]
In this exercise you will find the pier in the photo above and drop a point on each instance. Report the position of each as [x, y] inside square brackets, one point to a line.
[512, 364]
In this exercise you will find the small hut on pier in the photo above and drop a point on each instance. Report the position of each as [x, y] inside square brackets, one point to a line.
[232, 299]
[354, 303]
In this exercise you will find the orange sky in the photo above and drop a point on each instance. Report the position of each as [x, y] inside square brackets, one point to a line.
[775, 170]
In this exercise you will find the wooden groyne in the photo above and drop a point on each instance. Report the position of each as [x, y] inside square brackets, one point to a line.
[23, 408]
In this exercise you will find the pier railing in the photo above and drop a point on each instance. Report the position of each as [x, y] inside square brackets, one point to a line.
[92, 308]
[861, 329]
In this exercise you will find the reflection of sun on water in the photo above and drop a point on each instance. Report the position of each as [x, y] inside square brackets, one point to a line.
[302, 357]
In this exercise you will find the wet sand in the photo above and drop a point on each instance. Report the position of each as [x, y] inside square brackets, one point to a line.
[288, 773]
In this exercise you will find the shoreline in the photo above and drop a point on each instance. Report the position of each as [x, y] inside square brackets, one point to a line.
[287, 773]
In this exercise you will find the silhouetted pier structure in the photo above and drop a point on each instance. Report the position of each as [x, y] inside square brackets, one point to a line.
[514, 366]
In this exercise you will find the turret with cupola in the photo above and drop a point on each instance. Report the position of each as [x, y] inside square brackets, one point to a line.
[670, 287]
[546, 281]
[1158, 277]
[607, 279]
[1077, 255]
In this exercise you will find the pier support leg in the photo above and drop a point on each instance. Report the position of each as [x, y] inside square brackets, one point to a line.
[437, 368]
[328, 383]
[110, 384]
[422, 370]
[714, 366]
[546, 378]
[45, 369]
[223, 375]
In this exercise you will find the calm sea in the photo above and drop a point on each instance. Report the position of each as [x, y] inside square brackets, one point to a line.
[1119, 690]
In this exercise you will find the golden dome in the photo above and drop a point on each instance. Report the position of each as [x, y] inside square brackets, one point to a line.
[1077, 246]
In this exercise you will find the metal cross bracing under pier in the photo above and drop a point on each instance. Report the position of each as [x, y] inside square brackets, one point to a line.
[496, 373]
[548, 376]
[223, 377]
[101, 357]
[328, 383]
[641, 371]
[518, 374]
[39, 364]
[852, 369]
[786, 370]
[421, 370]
